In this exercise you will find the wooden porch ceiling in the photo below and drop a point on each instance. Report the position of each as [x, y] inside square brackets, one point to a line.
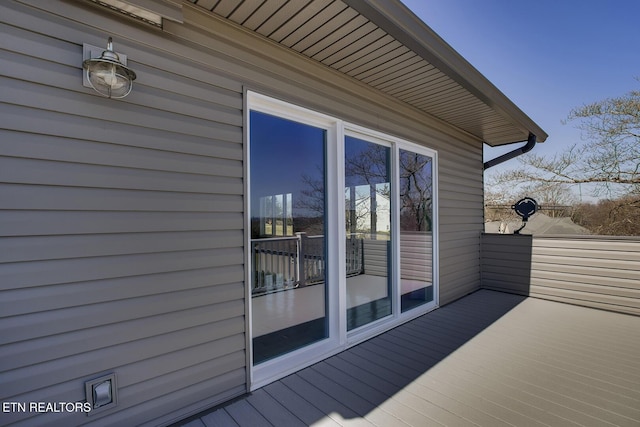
[383, 44]
[489, 359]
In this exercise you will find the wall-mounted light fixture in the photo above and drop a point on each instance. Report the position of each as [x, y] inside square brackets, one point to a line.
[108, 74]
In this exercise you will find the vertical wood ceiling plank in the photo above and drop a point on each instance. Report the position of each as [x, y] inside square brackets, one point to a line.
[313, 24]
[225, 7]
[329, 27]
[337, 50]
[340, 33]
[284, 14]
[263, 13]
[385, 47]
[245, 10]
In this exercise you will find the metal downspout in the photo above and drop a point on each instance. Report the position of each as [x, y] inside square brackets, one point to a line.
[531, 142]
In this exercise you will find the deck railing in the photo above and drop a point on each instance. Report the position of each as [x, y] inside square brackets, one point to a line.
[594, 271]
[283, 263]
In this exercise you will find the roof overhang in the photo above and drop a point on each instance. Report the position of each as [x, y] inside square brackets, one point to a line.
[383, 44]
[509, 124]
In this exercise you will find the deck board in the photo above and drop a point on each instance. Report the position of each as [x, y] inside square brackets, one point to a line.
[298, 405]
[489, 359]
[220, 418]
[272, 410]
[246, 415]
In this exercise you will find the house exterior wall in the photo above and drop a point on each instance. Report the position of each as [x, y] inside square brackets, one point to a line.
[122, 243]
[593, 271]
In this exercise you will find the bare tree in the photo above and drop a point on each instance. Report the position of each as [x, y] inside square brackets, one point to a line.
[609, 159]
[619, 217]
[416, 191]
[608, 162]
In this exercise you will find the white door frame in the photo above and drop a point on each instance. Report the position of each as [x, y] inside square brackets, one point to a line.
[339, 339]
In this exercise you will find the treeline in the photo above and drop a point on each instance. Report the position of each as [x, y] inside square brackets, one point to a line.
[620, 217]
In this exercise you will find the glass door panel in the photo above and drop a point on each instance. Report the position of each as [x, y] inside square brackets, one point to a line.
[416, 226]
[368, 231]
[288, 227]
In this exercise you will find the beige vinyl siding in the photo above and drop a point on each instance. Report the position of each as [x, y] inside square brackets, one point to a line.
[416, 255]
[461, 220]
[122, 225]
[594, 271]
[376, 257]
[506, 262]
[122, 220]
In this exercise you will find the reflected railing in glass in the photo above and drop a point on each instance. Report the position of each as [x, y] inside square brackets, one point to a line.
[284, 263]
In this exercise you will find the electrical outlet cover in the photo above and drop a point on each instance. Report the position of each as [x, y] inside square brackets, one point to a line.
[101, 393]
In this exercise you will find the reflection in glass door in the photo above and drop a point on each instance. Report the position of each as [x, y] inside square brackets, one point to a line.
[288, 228]
[368, 231]
[416, 229]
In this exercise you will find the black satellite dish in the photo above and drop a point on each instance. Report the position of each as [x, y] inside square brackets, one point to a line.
[525, 208]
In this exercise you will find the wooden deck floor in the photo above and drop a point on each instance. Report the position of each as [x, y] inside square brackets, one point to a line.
[489, 359]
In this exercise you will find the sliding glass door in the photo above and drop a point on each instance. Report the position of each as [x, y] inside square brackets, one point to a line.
[342, 237]
[367, 171]
[416, 229]
[288, 235]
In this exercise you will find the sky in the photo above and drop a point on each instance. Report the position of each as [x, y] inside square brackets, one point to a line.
[547, 56]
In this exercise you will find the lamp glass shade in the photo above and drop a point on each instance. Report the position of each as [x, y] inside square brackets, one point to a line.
[108, 76]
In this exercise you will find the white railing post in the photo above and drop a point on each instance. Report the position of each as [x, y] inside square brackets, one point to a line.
[301, 270]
